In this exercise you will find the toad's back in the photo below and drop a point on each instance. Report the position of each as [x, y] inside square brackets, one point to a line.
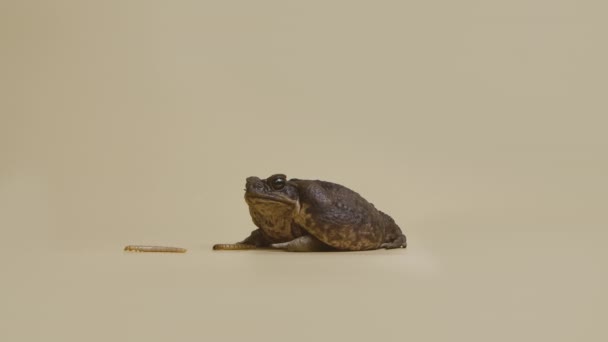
[341, 218]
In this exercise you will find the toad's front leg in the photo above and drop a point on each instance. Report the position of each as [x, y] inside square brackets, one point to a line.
[255, 240]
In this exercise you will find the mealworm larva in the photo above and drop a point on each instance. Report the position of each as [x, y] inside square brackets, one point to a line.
[161, 249]
[232, 246]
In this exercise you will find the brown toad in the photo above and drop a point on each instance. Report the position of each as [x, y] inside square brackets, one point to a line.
[313, 215]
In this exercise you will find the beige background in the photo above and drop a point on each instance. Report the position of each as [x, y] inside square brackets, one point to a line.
[478, 125]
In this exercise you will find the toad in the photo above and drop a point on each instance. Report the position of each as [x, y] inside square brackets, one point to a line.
[311, 215]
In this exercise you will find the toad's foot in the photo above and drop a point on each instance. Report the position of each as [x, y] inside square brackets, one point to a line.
[305, 243]
[400, 242]
[232, 246]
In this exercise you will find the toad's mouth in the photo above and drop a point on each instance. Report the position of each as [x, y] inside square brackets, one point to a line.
[256, 197]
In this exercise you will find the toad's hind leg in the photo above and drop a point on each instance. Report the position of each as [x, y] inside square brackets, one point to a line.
[306, 243]
[399, 242]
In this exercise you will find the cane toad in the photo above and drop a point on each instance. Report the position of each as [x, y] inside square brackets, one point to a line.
[313, 215]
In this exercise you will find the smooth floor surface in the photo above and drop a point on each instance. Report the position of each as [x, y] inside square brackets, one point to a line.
[524, 286]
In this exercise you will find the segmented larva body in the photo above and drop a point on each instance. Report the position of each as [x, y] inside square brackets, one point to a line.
[158, 249]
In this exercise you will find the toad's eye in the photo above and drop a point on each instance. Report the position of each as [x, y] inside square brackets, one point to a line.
[278, 183]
